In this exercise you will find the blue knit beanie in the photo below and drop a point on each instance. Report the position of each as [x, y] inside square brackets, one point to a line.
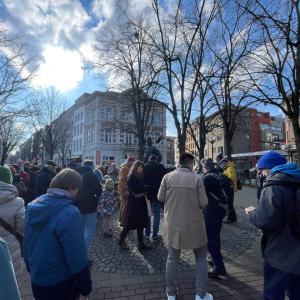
[270, 160]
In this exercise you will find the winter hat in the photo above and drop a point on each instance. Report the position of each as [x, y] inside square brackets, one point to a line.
[66, 179]
[5, 175]
[270, 160]
[109, 184]
[208, 164]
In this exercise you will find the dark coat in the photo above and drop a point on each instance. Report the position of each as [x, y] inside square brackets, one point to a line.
[43, 181]
[31, 188]
[153, 175]
[137, 212]
[276, 205]
[213, 211]
[88, 196]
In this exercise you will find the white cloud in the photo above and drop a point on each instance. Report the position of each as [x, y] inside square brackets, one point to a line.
[61, 68]
[103, 8]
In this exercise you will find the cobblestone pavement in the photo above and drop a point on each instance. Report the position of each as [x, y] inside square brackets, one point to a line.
[131, 275]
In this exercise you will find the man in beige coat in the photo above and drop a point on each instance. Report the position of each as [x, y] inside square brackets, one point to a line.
[183, 194]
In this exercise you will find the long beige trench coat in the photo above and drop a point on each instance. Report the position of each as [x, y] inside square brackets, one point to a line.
[183, 194]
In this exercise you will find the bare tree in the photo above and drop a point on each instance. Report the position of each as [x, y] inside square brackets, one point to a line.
[16, 71]
[11, 134]
[174, 36]
[275, 65]
[231, 88]
[46, 106]
[123, 53]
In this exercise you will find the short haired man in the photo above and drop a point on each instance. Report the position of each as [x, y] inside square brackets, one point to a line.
[183, 194]
[153, 175]
[43, 179]
[87, 200]
[214, 214]
[54, 249]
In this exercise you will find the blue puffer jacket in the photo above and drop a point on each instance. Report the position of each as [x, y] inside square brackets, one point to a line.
[54, 247]
[276, 206]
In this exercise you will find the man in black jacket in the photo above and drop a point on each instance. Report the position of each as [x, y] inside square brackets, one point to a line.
[42, 181]
[87, 200]
[214, 214]
[153, 175]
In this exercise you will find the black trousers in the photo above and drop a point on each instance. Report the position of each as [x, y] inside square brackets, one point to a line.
[65, 290]
[139, 232]
[231, 216]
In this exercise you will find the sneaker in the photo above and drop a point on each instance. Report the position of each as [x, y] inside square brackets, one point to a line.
[210, 261]
[147, 237]
[171, 297]
[206, 297]
[156, 238]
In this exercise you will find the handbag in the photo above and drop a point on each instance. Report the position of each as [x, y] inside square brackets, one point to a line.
[12, 231]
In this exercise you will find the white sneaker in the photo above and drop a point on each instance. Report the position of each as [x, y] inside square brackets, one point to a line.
[171, 297]
[206, 297]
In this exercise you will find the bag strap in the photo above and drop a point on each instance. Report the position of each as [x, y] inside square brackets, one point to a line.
[12, 231]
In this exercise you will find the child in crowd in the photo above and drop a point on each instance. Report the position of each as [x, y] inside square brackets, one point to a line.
[108, 202]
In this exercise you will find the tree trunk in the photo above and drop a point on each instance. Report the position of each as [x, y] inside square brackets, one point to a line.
[227, 144]
[296, 129]
[3, 159]
[181, 143]
[4, 156]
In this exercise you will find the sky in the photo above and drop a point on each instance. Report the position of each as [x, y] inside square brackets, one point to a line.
[60, 33]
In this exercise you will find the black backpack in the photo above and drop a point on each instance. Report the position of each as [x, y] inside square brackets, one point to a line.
[294, 220]
[227, 189]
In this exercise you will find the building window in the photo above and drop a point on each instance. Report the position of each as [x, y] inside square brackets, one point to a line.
[108, 135]
[220, 150]
[157, 120]
[109, 113]
[92, 135]
[130, 138]
[122, 137]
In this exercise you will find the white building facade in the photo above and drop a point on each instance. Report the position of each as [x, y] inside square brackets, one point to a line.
[102, 128]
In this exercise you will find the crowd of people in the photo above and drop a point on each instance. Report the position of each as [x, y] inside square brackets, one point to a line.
[57, 209]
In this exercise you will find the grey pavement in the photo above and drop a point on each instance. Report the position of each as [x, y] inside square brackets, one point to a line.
[118, 274]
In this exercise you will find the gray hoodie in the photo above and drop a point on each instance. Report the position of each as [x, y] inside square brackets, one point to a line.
[12, 211]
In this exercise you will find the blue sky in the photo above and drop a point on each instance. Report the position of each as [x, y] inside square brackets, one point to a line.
[60, 33]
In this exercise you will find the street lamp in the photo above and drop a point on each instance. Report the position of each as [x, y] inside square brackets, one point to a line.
[212, 140]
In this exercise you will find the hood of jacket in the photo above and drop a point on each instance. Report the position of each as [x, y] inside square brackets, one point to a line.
[41, 210]
[230, 164]
[8, 192]
[287, 173]
[290, 169]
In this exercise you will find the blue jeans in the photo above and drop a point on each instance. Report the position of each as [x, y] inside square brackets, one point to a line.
[213, 231]
[156, 219]
[89, 226]
[276, 283]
